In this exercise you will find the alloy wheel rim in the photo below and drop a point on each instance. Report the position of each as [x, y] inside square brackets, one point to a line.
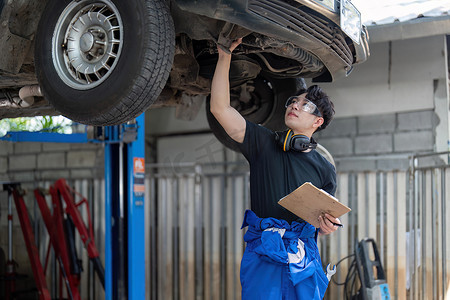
[87, 43]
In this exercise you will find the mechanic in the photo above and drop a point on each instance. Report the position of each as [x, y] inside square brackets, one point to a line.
[281, 259]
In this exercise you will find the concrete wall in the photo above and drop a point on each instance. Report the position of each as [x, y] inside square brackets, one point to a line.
[29, 161]
[173, 141]
[379, 142]
[394, 105]
[399, 76]
[34, 164]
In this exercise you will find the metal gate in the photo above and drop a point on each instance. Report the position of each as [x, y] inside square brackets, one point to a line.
[195, 240]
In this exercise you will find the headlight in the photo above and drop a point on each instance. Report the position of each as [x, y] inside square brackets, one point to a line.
[329, 4]
[351, 20]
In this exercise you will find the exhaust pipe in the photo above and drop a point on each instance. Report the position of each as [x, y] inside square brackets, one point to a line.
[27, 94]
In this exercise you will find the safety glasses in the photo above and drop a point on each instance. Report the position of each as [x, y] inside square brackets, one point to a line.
[304, 104]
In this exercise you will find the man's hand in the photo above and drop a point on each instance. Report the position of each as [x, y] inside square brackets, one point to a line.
[233, 46]
[326, 224]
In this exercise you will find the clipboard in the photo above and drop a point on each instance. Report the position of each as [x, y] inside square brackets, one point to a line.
[308, 202]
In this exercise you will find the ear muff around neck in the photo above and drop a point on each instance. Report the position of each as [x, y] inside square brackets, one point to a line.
[297, 142]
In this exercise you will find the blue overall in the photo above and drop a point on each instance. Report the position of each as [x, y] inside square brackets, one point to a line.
[281, 260]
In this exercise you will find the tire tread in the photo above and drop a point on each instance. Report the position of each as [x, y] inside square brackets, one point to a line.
[145, 91]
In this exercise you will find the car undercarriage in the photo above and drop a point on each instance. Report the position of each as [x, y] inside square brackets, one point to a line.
[93, 62]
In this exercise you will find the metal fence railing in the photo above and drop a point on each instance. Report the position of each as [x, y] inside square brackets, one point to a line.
[197, 242]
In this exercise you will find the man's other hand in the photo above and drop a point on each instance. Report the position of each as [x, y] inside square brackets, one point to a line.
[326, 224]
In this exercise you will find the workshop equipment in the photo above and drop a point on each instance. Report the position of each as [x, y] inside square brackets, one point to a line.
[124, 274]
[28, 235]
[371, 274]
[53, 223]
[86, 234]
[365, 279]
[61, 237]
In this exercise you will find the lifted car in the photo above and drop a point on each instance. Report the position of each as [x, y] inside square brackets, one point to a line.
[104, 62]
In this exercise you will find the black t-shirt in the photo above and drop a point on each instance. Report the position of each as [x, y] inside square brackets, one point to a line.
[275, 173]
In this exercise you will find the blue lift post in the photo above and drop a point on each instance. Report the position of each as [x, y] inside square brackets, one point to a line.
[136, 216]
[124, 202]
[124, 193]
[124, 210]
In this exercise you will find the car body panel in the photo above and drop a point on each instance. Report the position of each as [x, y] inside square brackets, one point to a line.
[252, 15]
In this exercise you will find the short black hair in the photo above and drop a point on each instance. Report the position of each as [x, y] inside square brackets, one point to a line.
[315, 94]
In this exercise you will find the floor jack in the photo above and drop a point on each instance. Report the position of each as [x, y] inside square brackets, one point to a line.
[60, 230]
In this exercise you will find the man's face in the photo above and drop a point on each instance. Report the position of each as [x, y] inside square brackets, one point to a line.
[301, 114]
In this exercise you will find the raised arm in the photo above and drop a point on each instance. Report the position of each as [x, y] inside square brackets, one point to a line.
[230, 119]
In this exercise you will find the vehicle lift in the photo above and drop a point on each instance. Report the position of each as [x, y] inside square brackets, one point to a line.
[124, 273]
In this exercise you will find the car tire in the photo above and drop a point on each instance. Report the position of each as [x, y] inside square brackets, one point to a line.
[132, 45]
[278, 90]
